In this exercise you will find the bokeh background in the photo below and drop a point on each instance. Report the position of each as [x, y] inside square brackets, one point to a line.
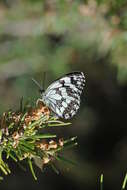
[57, 37]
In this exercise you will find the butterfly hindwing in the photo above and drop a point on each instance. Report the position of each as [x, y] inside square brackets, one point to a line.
[63, 95]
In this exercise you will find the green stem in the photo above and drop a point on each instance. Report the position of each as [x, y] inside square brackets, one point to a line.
[3, 170]
[31, 168]
[124, 182]
[101, 182]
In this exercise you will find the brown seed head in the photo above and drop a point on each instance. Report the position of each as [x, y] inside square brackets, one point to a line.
[46, 160]
[43, 145]
[52, 144]
[61, 142]
[15, 135]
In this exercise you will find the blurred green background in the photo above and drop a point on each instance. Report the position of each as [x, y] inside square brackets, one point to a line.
[57, 37]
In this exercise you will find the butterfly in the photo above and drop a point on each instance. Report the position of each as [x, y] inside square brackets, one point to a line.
[63, 95]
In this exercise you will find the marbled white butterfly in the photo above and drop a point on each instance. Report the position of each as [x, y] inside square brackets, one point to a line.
[63, 95]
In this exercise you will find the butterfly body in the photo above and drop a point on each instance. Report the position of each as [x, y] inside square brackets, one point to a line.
[63, 95]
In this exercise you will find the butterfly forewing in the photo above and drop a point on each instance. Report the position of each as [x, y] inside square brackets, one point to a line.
[63, 95]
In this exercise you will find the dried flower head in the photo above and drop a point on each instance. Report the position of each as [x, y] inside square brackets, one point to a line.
[22, 136]
[52, 144]
[61, 142]
[43, 145]
[46, 160]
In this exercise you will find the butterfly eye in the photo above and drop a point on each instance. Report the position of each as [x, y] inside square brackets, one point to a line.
[41, 91]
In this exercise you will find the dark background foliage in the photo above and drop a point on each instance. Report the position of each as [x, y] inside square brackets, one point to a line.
[58, 37]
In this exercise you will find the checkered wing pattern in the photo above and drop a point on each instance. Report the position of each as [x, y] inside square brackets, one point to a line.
[63, 95]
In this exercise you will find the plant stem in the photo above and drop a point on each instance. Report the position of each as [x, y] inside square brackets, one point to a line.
[31, 168]
[101, 182]
[124, 182]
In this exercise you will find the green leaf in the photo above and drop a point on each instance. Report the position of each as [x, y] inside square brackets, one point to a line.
[68, 161]
[31, 168]
[54, 168]
[18, 152]
[35, 123]
[101, 181]
[11, 126]
[23, 117]
[11, 155]
[27, 145]
[57, 123]
[3, 170]
[43, 136]
[68, 146]
[70, 140]
[124, 182]
[26, 149]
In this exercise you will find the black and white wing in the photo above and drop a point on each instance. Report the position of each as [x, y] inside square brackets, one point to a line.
[63, 95]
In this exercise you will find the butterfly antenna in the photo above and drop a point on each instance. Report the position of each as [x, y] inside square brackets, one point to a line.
[43, 82]
[40, 88]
